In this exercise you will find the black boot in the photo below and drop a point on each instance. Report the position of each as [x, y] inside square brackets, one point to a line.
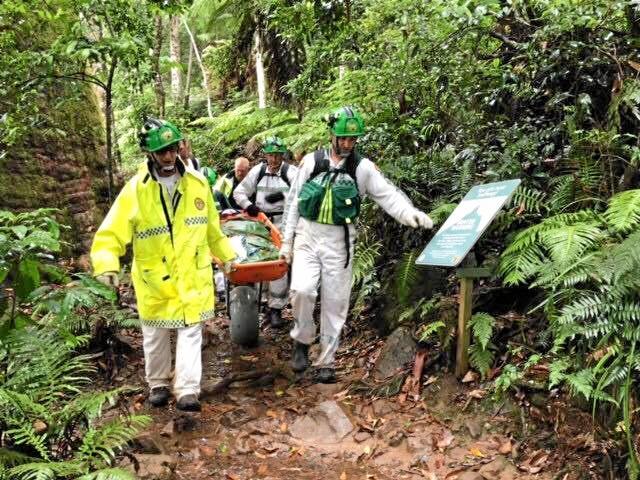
[300, 357]
[326, 375]
[188, 403]
[159, 396]
[275, 318]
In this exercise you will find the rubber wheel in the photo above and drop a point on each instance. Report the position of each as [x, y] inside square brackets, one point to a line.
[243, 314]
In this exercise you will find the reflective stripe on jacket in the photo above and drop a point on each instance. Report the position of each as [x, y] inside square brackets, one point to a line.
[173, 239]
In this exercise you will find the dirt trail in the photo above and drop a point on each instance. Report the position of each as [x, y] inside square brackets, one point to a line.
[272, 429]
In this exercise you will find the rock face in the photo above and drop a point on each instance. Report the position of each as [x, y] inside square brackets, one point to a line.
[61, 164]
[398, 350]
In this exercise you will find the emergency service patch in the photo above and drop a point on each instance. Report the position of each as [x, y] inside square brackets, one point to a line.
[167, 135]
[199, 203]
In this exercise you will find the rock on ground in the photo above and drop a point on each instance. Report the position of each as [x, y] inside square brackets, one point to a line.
[325, 423]
[398, 350]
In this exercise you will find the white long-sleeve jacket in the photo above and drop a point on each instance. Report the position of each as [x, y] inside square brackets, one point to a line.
[370, 182]
[270, 183]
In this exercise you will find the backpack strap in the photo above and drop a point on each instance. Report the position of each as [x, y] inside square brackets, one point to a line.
[283, 173]
[261, 173]
[321, 163]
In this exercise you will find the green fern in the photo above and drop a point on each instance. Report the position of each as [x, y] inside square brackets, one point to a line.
[405, 277]
[528, 200]
[431, 329]
[481, 350]
[364, 258]
[108, 474]
[100, 443]
[623, 214]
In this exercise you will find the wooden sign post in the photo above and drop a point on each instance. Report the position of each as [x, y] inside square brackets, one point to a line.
[465, 302]
[455, 239]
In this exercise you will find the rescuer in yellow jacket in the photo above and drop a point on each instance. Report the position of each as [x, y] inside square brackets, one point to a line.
[168, 213]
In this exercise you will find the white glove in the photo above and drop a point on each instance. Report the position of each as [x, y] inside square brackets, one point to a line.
[420, 219]
[110, 279]
[285, 253]
[228, 267]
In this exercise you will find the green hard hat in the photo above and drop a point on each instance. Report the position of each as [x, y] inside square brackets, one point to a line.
[210, 174]
[274, 145]
[346, 122]
[157, 134]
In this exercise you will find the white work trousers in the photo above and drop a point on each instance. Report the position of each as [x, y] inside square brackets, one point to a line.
[319, 256]
[278, 289]
[157, 358]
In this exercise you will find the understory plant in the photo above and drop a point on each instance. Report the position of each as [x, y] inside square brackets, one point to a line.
[587, 264]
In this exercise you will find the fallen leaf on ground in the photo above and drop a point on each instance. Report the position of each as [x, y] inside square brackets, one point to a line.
[343, 476]
[284, 427]
[471, 376]
[476, 452]
[430, 380]
[272, 414]
[477, 393]
[535, 463]
[262, 469]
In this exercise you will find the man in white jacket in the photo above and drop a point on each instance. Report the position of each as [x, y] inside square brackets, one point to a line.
[264, 189]
[322, 205]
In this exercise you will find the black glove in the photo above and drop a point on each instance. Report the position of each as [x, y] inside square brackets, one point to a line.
[252, 210]
[274, 197]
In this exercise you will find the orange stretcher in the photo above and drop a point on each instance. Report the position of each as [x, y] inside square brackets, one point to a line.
[256, 272]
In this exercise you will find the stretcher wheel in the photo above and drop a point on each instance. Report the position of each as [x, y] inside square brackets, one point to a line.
[243, 315]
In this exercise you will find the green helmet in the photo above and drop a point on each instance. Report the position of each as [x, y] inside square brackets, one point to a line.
[158, 134]
[346, 122]
[274, 145]
[210, 174]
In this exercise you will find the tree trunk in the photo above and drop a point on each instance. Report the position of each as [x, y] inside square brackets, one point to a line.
[174, 48]
[205, 79]
[262, 88]
[108, 113]
[187, 86]
[158, 86]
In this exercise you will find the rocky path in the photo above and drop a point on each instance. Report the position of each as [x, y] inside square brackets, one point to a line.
[277, 426]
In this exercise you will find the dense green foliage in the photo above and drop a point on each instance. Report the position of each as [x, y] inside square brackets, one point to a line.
[454, 93]
[52, 429]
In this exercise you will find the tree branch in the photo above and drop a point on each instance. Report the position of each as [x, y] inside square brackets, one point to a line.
[504, 39]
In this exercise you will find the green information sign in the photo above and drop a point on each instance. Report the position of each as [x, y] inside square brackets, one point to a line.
[466, 224]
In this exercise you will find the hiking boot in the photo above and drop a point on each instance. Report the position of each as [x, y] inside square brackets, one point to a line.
[188, 403]
[300, 357]
[275, 318]
[159, 396]
[326, 375]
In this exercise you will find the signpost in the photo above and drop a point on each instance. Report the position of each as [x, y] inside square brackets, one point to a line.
[453, 241]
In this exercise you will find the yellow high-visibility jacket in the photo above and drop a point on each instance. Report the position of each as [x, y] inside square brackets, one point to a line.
[173, 239]
[224, 184]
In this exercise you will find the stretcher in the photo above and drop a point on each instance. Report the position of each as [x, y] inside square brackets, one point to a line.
[244, 284]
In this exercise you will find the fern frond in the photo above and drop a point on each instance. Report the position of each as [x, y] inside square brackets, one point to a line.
[11, 458]
[100, 443]
[623, 214]
[528, 200]
[108, 474]
[405, 276]
[47, 470]
[482, 327]
[480, 358]
[568, 243]
[430, 329]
